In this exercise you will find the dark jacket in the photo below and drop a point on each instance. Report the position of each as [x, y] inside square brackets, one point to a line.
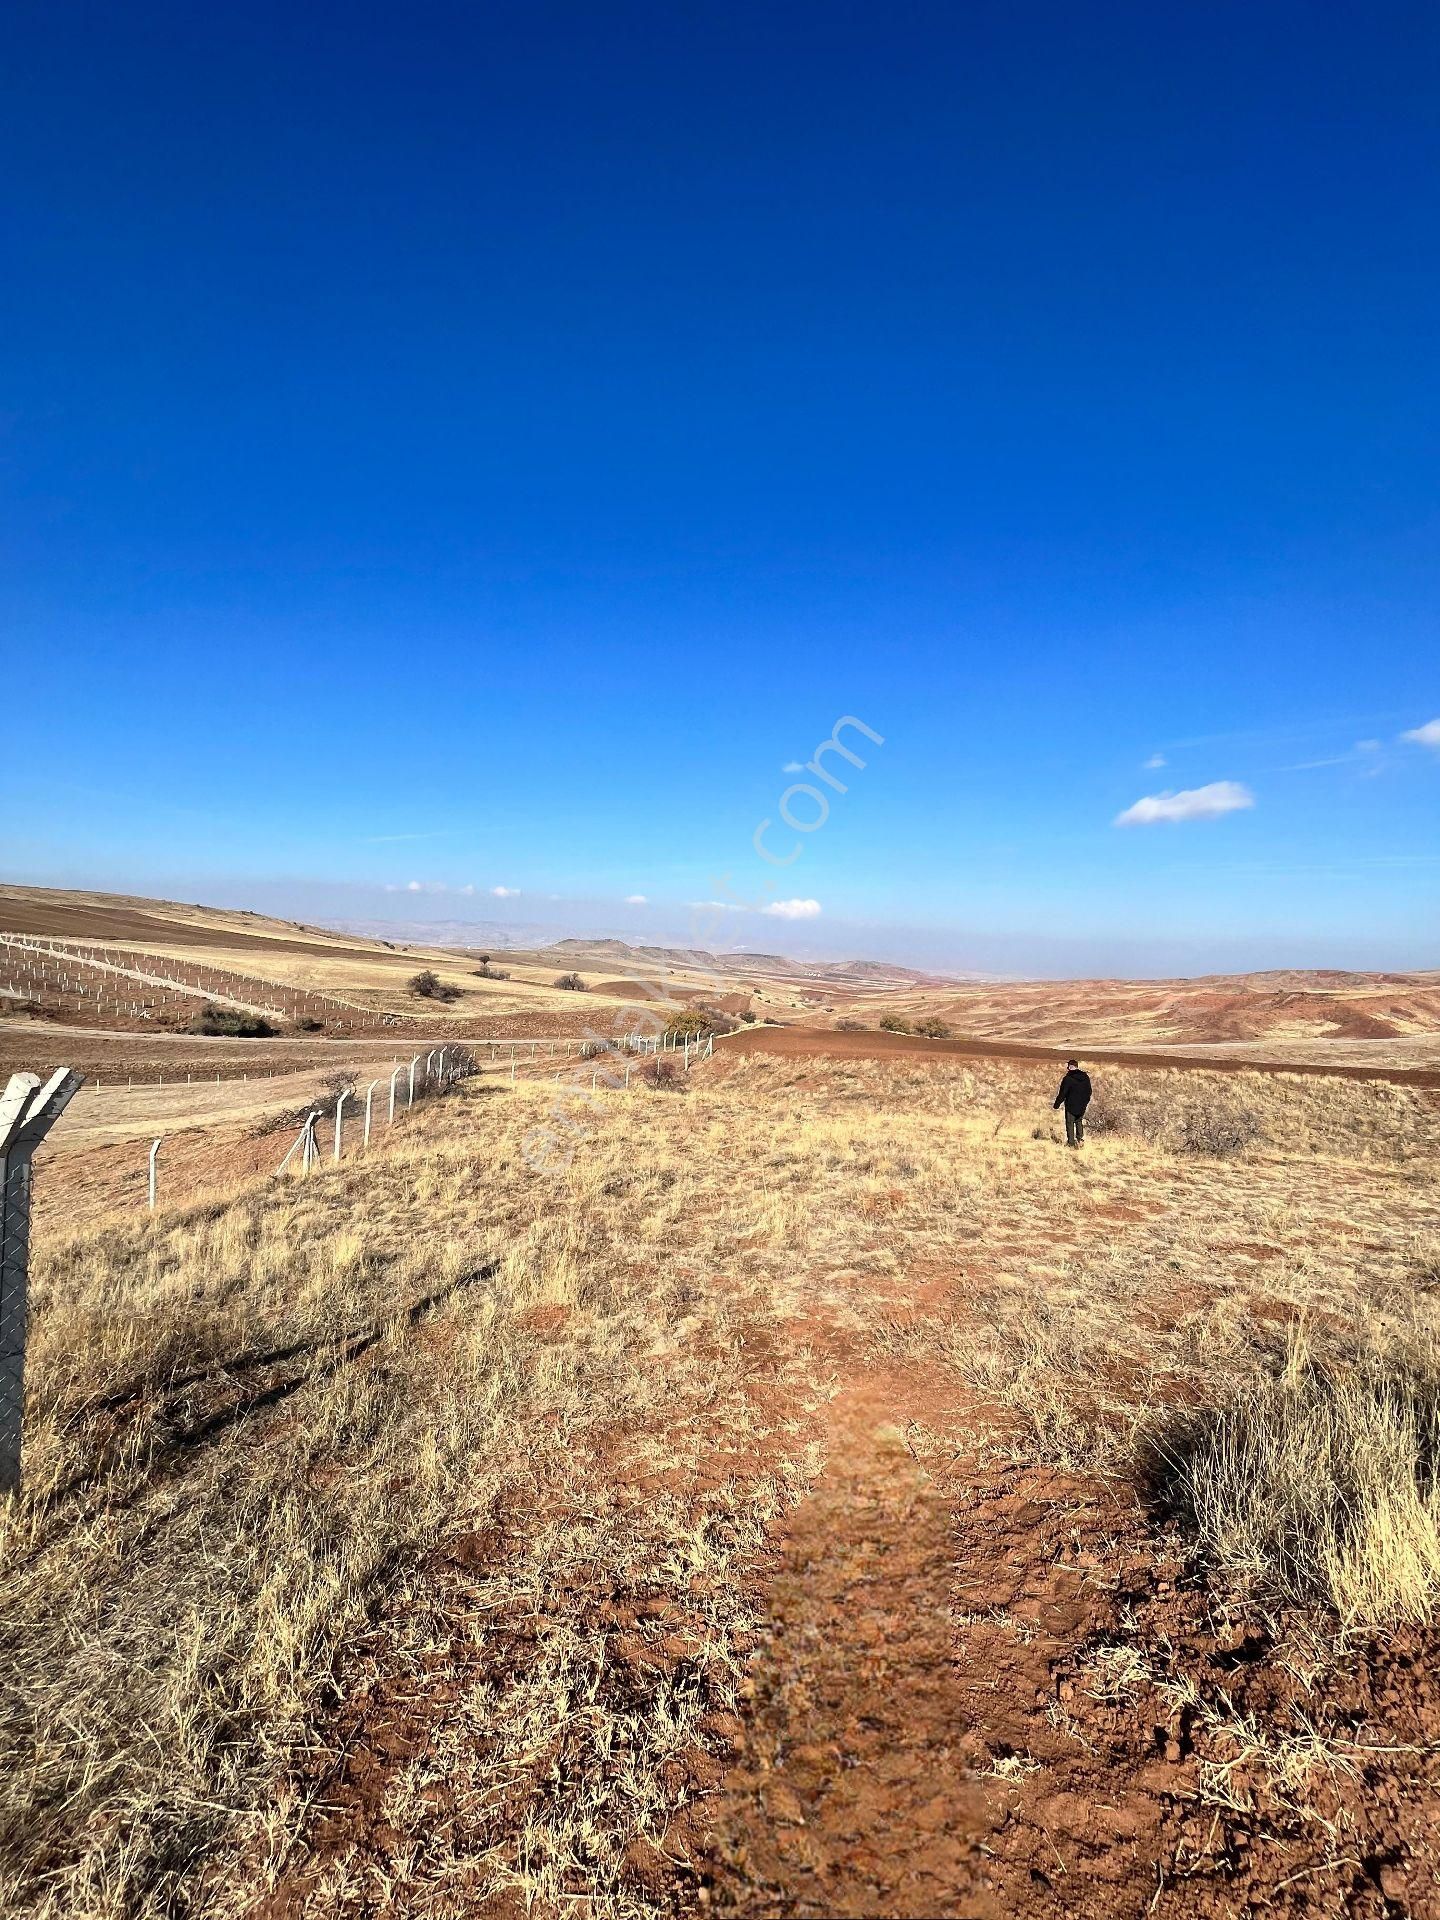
[1074, 1094]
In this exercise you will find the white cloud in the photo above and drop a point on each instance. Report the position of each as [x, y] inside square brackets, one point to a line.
[718, 906]
[506, 893]
[413, 886]
[793, 909]
[1196, 803]
[793, 766]
[636, 900]
[1367, 746]
[1426, 736]
[1155, 760]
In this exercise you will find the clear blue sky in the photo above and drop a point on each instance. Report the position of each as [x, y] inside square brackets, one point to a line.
[481, 445]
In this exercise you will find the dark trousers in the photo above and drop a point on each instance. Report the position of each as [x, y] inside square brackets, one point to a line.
[1074, 1129]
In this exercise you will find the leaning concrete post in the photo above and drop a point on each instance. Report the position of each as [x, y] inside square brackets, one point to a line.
[339, 1121]
[28, 1110]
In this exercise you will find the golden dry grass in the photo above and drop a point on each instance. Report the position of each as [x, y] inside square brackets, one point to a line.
[260, 1428]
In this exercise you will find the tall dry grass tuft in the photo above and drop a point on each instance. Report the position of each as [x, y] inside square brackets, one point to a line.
[1320, 1481]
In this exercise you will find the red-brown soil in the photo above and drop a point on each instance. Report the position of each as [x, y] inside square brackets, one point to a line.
[834, 1043]
[940, 1721]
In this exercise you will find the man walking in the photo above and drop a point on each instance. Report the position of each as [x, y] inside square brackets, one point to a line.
[1074, 1096]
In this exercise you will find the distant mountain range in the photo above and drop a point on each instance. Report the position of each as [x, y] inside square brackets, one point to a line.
[490, 936]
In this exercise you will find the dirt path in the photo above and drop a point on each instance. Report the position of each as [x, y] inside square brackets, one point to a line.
[850, 1794]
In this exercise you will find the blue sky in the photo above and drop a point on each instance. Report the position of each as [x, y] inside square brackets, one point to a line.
[482, 446]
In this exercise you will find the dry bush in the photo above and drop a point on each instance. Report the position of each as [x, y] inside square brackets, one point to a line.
[1319, 1480]
[662, 1075]
[570, 982]
[428, 985]
[1215, 1124]
[895, 1023]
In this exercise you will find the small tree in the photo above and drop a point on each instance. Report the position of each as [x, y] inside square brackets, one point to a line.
[691, 1023]
[429, 986]
[933, 1027]
[895, 1023]
[571, 982]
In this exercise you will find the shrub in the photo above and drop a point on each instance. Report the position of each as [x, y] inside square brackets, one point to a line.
[691, 1023]
[593, 1049]
[1215, 1127]
[429, 986]
[1320, 1479]
[1214, 1131]
[662, 1075]
[571, 982]
[231, 1023]
[748, 1015]
[307, 1023]
[933, 1027]
[895, 1023]
[486, 972]
[851, 1026]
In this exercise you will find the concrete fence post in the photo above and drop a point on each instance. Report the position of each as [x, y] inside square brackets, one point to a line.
[28, 1110]
[339, 1122]
[369, 1099]
[393, 1078]
[410, 1097]
[154, 1149]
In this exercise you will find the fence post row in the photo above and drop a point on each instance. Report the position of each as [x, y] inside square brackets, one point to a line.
[28, 1110]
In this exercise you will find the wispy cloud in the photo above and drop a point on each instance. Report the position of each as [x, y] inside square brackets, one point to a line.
[1194, 803]
[793, 766]
[506, 893]
[1363, 750]
[1426, 736]
[1155, 760]
[636, 900]
[792, 909]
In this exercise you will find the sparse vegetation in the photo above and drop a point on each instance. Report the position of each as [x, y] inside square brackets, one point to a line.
[570, 982]
[933, 1027]
[662, 1075]
[231, 1023]
[468, 1446]
[851, 1026]
[895, 1023]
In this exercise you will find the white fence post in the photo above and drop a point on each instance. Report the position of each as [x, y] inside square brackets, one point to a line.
[410, 1097]
[154, 1149]
[369, 1098]
[28, 1110]
[339, 1122]
[393, 1078]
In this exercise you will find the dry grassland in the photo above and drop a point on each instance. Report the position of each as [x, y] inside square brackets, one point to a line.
[396, 1540]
